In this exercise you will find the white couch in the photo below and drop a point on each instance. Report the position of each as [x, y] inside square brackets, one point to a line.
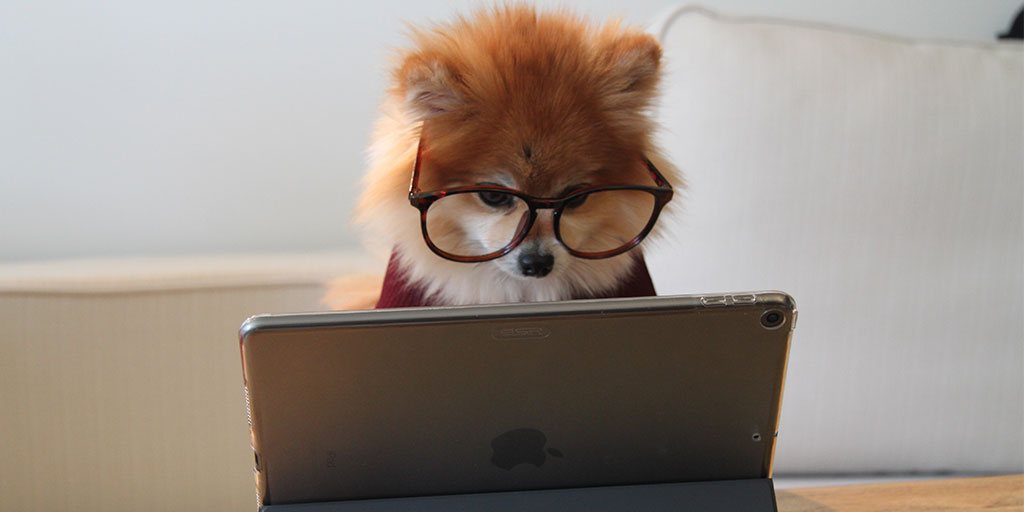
[878, 180]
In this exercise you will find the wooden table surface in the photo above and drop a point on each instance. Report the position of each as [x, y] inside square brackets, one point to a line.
[998, 493]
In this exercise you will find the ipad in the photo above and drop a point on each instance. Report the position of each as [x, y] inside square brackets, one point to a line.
[387, 405]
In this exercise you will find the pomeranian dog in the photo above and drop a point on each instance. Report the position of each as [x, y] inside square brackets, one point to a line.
[513, 161]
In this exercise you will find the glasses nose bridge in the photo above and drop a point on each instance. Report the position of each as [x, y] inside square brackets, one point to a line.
[540, 224]
[544, 204]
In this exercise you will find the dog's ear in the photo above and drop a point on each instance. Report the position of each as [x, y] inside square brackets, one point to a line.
[633, 65]
[430, 86]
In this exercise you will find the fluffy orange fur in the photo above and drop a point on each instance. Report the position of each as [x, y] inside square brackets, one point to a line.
[537, 101]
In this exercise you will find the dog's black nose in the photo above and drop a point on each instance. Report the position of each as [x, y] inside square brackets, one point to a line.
[536, 264]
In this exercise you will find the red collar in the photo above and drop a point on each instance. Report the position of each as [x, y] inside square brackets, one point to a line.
[398, 292]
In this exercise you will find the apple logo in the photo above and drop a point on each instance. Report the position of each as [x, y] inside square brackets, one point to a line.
[521, 446]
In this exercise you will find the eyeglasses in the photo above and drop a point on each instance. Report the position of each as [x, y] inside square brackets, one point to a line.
[482, 222]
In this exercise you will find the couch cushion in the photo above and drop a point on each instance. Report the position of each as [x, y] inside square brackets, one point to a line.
[879, 181]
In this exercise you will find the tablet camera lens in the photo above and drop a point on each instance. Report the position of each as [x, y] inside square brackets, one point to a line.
[772, 319]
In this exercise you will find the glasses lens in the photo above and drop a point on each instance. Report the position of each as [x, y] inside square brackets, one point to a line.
[605, 220]
[475, 224]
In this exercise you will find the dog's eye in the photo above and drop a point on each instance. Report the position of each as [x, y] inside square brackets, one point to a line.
[577, 201]
[495, 199]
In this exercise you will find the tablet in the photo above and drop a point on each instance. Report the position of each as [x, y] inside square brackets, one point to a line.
[364, 407]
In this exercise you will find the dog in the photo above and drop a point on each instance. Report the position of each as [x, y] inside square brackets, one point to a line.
[528, 139]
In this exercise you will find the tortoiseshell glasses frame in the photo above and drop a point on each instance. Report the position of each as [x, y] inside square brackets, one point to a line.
[661, 191]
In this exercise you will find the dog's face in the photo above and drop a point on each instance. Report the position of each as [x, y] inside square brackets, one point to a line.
[538, 165]
[542, 104]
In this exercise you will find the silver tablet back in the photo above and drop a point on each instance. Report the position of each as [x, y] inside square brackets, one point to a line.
[433, 401]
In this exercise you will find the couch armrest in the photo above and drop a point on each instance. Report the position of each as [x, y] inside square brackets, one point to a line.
[121, 380]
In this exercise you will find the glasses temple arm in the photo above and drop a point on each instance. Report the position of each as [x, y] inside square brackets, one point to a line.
[656, 174]
[414, 184]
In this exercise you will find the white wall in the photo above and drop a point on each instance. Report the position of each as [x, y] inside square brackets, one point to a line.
[160, 127]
